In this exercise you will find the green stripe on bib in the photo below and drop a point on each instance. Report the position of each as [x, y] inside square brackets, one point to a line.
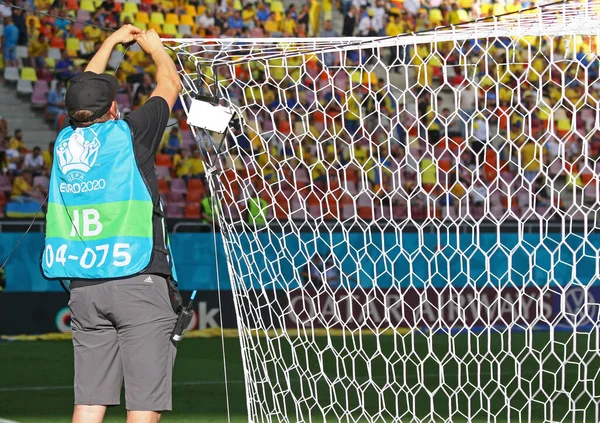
[99, 221]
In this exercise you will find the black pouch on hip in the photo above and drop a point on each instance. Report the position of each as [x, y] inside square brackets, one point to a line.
[174, 296]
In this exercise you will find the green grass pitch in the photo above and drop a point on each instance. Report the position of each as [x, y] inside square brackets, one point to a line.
[36, 377]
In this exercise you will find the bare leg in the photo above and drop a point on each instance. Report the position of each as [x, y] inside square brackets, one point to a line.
[143, 417]
[88, 413]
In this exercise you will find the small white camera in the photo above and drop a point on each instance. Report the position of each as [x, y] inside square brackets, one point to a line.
[209, 116]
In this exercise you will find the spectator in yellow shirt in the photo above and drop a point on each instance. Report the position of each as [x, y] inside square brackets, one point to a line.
[272, 27]
[248, 14]
[532, 157]
[289, 24]
[38, 47]
[94, 34]
[16, 142]
[182, 164]
[197, 165]
[171, 141]
[23, 189]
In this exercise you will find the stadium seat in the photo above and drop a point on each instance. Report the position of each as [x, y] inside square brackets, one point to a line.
[175, 198]
[87, 5]
[463, 15]
[435, 16]
[192, 211]
[185, 29]
[41, 181]
[58, 42]
[54, 53]
[130, 15]
[164, 160]
[142, 17]
[157, 18]
[130, 7]
[175, 211]
[486, 9]
[512, 8]
[155, 26]
[11, 74]
[50, 62]
[77, 30]
[84, 15]
[141, 25]
[172, 18]
[22, 52]
[190, 10]
[196, 185]
[169, 29]
[187, 139]
[73, 4]
[498, 9]
[163, 172]
[39, 95]
[194, 196]
[163, 186]
[24, 87]
[73, 46]
[187, 20]
[277, 6]
[201, 9]
[5, 184]
[178, 186]
[167, 4]
[28, 74]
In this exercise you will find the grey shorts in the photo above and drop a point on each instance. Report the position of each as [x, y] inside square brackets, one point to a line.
[121, 332]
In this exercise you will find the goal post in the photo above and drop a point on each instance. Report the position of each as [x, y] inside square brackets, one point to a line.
[410, 223]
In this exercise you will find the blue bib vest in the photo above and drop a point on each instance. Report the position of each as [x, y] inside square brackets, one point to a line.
[99, 220]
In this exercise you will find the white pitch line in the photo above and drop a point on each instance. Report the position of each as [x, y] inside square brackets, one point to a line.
[7, 421]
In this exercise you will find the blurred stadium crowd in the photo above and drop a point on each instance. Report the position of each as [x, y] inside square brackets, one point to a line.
[40, 53]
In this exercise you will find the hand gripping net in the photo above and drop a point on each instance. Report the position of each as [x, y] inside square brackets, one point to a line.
[410, 222]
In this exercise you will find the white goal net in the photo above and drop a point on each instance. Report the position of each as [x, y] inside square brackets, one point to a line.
[411, 222]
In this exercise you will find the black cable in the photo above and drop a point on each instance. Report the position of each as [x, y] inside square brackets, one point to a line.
[25, 233]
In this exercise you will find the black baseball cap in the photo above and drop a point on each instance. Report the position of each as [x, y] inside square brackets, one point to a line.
[91, 91]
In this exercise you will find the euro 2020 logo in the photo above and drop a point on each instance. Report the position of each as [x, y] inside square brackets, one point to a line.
[76, 155]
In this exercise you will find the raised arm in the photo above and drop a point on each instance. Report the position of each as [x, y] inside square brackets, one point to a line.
[168, 83]
[124, 35]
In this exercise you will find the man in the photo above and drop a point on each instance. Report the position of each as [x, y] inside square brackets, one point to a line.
[24, 191]
[105, 233]
[16, 142]
[38, 48]
[56, 103]
[9, 42]
[34, 161]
